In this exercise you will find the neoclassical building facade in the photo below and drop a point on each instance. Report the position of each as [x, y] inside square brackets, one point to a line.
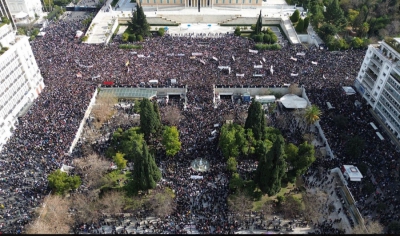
[201, 3]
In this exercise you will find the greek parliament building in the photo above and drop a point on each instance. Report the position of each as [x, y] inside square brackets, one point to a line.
[20, 78]
[200, 3]
[378, 81]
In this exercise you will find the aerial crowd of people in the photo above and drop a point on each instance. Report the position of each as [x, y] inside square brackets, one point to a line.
[73, 70]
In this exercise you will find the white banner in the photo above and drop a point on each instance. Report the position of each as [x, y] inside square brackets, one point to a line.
[261, 62]
[225, 68]
[314, 62]
[257, 66]
[140, 56]
[196, 177]
[233, 58]
[300, 54]
[202, 62]
[263, 59]
[181, 55]
[215, 59]
[253, 51]
[170, 54]
[292, 74]
[257, 75]
[197, 54]
[272, 70]
[323, 76]
[239, 75]
[133, 53]
[292, 58]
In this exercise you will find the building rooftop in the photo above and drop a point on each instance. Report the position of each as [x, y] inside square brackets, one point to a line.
[129, 92]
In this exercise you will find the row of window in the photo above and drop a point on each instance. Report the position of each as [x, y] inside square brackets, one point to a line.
[389, 116]
[208, 1]
[389, 96]
[8, 60]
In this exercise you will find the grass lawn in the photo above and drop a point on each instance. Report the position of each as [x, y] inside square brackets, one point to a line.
[285, 189]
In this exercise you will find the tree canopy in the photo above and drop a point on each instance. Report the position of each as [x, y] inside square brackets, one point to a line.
[271, 167]
[146, 173]
[138, 23]
[149, 121]
[256, 120]
[171, 140]
[127, 142]
[299, 159]
[60, 182]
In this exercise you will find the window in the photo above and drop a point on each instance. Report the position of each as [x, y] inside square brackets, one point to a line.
[384, 74]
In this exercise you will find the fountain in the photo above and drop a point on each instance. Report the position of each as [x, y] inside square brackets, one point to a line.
[200, 165]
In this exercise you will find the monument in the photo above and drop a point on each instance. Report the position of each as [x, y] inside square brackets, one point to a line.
[200, 165]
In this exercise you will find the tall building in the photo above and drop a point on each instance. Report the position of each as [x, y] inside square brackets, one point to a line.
[378, 81]
[25, 10]
[200, 3]
[20, 78]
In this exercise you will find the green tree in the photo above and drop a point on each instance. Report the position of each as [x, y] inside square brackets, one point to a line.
[312, 114]
[255, 120]
[146, 173]
[60, 182]
[354, 146]
[317, 15]
[295, 16]
[306, 23]
[5, 20]
[171, 140]
[258, 27]
[352, 15]
[138, 23]
[148, 119]
[326, 30]
[237, 31]
[334, 14]
[363, 30]
[131, 38]
[127, 142]
[267, 38]
[356, 42]
[161, 32]
[158, 125]
[271, 167]
[235, 182]
[231, 164]
[119, 160]
[300, 26]
[232, 140]
[299, 161]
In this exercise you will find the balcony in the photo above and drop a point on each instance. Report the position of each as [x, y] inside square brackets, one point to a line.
[367, 86]
[374, 68]
[376, 62]
[368, 81]
[372, 76]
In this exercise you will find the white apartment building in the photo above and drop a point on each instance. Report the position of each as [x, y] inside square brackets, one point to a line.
[20, 79]
[378, 81]
[23, 10]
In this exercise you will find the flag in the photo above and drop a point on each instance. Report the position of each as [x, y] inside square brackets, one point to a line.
[127, 63]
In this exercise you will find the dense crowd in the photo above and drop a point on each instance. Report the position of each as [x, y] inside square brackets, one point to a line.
[44, 135]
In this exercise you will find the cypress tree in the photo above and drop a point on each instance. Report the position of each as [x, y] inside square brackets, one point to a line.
[157, 115]
[148, 119]
[146, 173]
[271, 167]
[259, 24]
[255, 120]
[300, 26]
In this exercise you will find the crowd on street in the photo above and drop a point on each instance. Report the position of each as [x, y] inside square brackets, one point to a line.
[72, 71]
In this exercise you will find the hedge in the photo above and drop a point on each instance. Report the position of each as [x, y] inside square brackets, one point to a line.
[261, 46]
[130, 46]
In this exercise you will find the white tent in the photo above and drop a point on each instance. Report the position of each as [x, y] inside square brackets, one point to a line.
[349, 90]
[293, 101]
